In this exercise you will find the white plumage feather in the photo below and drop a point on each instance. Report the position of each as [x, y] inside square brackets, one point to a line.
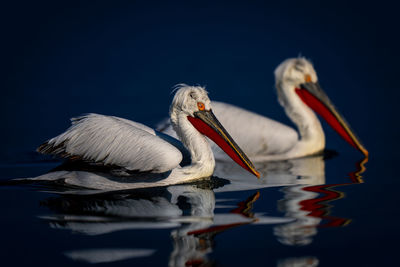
[115, 141]
[256, 134]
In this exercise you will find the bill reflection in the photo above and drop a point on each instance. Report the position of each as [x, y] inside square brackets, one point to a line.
[311, 206]
[299, 262]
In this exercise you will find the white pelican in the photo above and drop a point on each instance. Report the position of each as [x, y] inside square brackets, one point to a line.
[150, 158]
[300, 95]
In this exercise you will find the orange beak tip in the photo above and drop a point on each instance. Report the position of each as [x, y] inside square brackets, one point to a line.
[257, 174]
[364, 151]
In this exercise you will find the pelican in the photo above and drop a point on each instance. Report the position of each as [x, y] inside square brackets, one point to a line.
[149, 158]
[300, 95]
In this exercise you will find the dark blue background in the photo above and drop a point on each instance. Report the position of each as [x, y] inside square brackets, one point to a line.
[62, 59]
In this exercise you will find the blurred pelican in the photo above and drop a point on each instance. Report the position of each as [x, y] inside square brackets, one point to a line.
[146, 157]
[300, 95]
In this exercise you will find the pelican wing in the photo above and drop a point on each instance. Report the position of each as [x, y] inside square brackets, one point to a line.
[114, 141]
[257, 135]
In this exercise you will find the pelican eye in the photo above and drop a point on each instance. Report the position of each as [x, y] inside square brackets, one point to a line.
[200, 105]
[307, 78]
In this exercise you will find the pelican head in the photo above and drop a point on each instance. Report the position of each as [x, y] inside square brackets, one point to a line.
[299, 92]
[295, 71]
[191, 115]
[189, 99]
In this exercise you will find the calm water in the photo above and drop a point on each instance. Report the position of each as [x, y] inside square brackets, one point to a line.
[305, 212]
[64, 59]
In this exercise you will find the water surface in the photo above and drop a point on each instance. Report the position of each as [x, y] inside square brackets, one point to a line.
[297, 213]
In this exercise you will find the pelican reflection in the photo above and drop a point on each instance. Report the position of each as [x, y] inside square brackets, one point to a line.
[311, 206]
[193, 214]
[302, 171]
[188, 210]
[308, 199]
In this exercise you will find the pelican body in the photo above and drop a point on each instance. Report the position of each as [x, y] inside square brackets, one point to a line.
[301, 96]
[139, 152]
